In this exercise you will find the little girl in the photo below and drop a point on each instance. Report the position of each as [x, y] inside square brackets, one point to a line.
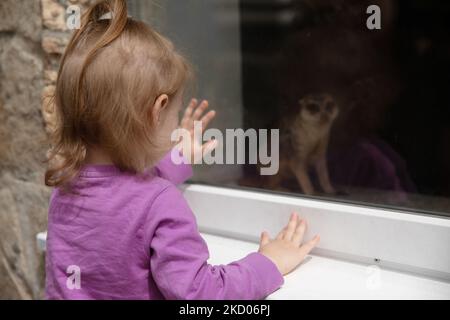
[118, 227]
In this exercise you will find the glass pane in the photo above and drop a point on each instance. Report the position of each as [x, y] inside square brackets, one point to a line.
[363, 112]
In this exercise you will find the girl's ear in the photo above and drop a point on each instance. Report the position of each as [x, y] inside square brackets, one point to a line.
[160, 105]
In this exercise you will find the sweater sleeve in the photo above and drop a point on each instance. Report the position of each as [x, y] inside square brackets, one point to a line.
[175, 173]
[179, 257]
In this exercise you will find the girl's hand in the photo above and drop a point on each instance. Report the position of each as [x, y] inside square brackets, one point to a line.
[195, 112]
[287, 250]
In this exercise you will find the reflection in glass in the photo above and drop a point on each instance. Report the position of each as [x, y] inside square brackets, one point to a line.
[363, 114]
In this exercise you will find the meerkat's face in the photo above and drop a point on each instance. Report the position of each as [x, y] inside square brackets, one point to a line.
[318, 110]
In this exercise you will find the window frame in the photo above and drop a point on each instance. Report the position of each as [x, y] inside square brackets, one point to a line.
[392, 239]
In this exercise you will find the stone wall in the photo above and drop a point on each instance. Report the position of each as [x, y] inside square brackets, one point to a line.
[33, 35]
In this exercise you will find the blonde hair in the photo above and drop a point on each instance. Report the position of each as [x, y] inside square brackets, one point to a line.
[111, 73]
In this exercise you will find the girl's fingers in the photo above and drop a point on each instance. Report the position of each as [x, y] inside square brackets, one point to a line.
[265, 239]
[190, 108]
[200, 109]
[297, 238]
[280, 236]
[188, 113]
[308, 246]
[207, 119]
[194, 112]
[291, 227]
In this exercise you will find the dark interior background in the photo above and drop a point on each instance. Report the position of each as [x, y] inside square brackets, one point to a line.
[392, 84]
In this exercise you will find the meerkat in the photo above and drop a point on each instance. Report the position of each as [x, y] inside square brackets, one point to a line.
[304, 143]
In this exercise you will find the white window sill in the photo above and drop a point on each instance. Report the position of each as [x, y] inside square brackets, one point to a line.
[325, 278]
[404, 242]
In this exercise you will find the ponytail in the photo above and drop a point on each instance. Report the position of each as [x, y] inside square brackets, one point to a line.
[118, 21]
[68, 155]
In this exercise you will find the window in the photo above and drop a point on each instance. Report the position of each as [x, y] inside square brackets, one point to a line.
[369, 108]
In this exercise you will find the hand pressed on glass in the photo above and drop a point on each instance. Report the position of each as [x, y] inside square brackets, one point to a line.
[287, 250]
[195, 112]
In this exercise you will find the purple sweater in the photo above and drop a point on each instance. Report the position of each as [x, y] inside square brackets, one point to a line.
[123, 236]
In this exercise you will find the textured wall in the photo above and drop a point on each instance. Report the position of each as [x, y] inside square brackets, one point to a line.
[32, 37]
